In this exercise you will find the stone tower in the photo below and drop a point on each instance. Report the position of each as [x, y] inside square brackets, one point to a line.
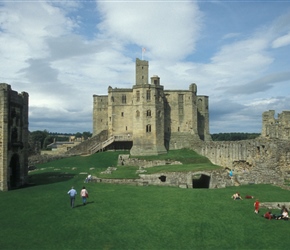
[148, 113]
[13, 138]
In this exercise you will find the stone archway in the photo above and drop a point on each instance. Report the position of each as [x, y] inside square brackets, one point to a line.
[15, 175]
[200, 180]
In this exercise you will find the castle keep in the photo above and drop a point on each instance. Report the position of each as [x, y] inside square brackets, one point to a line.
[149, 120]
[13, 137]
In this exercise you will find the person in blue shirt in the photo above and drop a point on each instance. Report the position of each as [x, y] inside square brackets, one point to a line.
[231, 174]
[72, 193]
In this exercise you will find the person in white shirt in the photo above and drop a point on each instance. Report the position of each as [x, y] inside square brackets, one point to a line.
[84, 194]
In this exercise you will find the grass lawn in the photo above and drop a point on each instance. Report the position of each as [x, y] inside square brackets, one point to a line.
[130, 217]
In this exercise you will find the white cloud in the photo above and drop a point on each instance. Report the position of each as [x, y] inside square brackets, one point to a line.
[47, 51]
[231, 35]
[281, 41]
[167, 29]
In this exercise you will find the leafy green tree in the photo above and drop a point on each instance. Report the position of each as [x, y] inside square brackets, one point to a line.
[78, 135]
[87, 135]
[39, 136]
[48, 140]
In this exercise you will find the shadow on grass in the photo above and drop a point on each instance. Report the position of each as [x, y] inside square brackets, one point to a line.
[82, 205]
[48, 178]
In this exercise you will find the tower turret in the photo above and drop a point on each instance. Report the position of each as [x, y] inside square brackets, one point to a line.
[141, 72]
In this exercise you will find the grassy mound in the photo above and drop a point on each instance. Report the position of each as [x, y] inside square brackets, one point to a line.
[97, 163]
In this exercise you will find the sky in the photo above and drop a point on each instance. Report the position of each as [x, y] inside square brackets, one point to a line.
[63, 52]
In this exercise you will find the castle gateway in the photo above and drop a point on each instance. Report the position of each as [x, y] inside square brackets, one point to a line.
[149, 120]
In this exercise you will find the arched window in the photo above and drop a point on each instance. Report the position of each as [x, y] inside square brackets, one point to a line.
[148, 113]
[137, 113]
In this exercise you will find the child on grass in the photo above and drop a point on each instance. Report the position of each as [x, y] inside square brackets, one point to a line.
[257, 206]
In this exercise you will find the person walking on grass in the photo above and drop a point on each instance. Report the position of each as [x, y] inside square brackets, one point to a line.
[257, 206]
[72, 193]
[84, 195]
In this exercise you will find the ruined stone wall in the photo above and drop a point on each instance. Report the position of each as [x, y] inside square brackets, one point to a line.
[203, 118]
[13, 138]
[273, 128]
[254, 161]
[244, 173]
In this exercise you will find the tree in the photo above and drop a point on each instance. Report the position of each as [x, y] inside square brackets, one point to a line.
[48, 140]
[39, 136]
[87, 135]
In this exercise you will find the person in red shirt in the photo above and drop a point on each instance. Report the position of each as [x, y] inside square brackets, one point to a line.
[257, 206]
[268, 215]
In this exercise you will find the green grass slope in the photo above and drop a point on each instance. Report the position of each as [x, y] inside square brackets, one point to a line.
[131, 217]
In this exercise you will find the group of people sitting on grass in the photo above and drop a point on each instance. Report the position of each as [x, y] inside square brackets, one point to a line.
[282, 216]
[237, 196]
[268, 215]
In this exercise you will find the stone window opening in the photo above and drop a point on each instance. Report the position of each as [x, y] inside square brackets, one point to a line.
[124, 99]
[137, 113]
[148, 128]
[138, 96]
[122, 114]
[148, 113]
[14, 135]
[148, 95]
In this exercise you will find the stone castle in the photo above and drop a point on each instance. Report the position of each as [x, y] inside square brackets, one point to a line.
[148, 119]
[13, 138]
